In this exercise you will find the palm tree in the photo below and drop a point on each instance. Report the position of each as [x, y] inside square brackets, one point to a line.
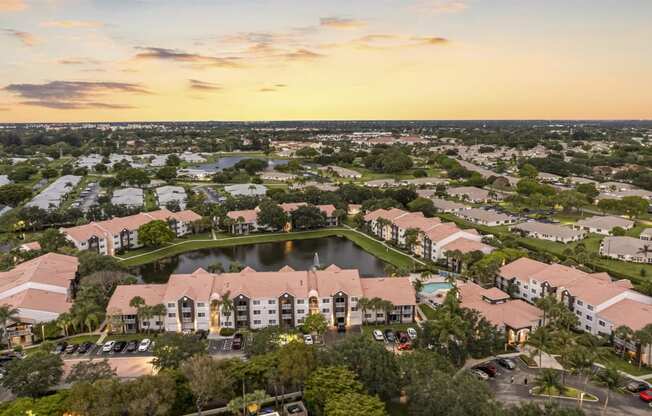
[611, 379]
[7, 313]
[540, 339]
[580, 360]
[159, 311]
[565, 343]
[381, 223]
[546, 304]
[64, 321]
[643, 338]
[387, 307]
[363, 305]
[138, 303]
[91, 320]
[411, 238]
[548, 383]
[227, 305]
[625, 334]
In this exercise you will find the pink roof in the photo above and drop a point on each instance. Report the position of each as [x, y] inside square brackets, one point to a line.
[388, 214]
[249, 215]
[34, 245]
[186, 216]
[52, 269]
[398, 290]
[522, 268]
[39, 300]
[466, 246]
[630, 313]
[442, 231]
[416, 220]
[123, 294]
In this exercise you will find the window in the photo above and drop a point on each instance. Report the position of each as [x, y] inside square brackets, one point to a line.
[601, 323]
[589, 317]
[588, 327]
[325, 310]
[201, 314]
[579, 302]
[589, 307]
[272, 302]
[300, 301]
[256, 302]
[201, 304]
[380, 315]
[271, 312]
[159, 323]
[534, 290]
[272, 321]
[300, 311]
[172, 315]
[578, 313]
[256, 321]
[145, 323]
[354, 299]
[367, 315]
[256, 312]
[170, 305]
[326, 300]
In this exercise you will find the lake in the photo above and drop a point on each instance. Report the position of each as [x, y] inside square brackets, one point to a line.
[298, 254]
[230, 161]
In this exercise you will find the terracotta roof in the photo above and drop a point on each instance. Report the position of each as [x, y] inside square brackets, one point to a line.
[466, 246]
[123, 294]
[628, 312]
[442, 231]
[39, 300]
[52, 269]
[398, 290]
[388, 214]
[522, 268]
[249, 215]
[416, 220]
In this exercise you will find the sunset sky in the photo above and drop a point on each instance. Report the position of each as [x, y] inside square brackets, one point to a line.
[114, 60]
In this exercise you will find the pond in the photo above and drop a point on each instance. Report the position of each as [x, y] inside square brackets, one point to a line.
[298, 254]
[230, 161]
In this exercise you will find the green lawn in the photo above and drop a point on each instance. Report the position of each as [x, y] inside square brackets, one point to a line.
[138, 257]
[427, 310]
[83, 338]
[569, 392]
[611, 358]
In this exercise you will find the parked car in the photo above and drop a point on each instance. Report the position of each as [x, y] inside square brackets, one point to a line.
[507, 363]
[412, 333]
[85, 347]
[636, 386]
[237, 342]
[108, 346]
[132, 346]
[389, 335]
[488, 368]
[72, 348]
[60, 347]
[402, 337]
[341, 327]
[646, 395]
[119, 346]
[480, 375]
[378, 335]
[307, 339]
[404, 346]
[144, 345]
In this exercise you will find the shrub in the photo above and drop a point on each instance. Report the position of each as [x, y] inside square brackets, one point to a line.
[227, 332]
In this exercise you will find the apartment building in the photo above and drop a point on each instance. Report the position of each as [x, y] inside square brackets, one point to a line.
[600, 303]
[547, 231]
[260, 299]
[636, 250]
[434, 238]
[117, 234]
[246, 221]
[486, 217]
[41, 289]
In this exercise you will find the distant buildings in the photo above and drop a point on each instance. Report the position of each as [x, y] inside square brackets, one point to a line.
[551, 232]
[52, 196]
[41, 289]
[171, 194]
[446, 206]
[341, 172]
[261, 299]
[603, 224]
[246, 189]
[277, 176]
[486, 217]
[128, 197]
[637, 250]
[246, 221]
[111, 236]
[470, 193]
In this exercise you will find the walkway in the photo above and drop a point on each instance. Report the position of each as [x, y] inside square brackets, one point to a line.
[384, 244]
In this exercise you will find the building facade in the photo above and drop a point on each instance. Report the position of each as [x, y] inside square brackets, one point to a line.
[246, 221]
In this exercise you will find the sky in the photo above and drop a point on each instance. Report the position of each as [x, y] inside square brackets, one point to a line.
[151, 60]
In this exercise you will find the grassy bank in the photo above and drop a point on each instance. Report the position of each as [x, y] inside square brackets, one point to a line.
[143, 256]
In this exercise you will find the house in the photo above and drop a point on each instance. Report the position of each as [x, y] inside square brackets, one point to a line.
[121, 233]
[646, 234]
[486, 217]
[446, 206]
[547, 231]
[620, 194]
[246, 221]
[4, 180]
[322, 186]
[246, 189]
[382, 183]
[433, 238]
[430, 181]
[171, 195]
[194, 173]
[41, 289]
[341, 172]
[601, 304]
[277, 176]
[603, 224]
[282, 298]
[549, 178]
[514, 317]
[624, 248]
[469, 193]
[128, 197]
[32, 246]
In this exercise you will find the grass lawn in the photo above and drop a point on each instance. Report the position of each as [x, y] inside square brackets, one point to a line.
[150, 200]
[130, 337]
[611, 358]
[569, 392]
[83, 338]
[143, 256]
[427, 310]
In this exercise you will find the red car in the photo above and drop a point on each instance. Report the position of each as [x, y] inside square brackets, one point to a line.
[646, 395]
[404, 346]
[488, 368]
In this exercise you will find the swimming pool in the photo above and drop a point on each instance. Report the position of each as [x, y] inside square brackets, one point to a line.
[432, 287]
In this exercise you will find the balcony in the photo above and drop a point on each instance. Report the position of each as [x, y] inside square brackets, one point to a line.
[241, 308]
[19, 333]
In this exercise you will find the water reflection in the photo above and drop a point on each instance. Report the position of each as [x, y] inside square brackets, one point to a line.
[298, 254]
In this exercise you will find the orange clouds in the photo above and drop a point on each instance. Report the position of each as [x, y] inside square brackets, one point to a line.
[341, 23]
[12, 5]
[26, 38]
[72, 24]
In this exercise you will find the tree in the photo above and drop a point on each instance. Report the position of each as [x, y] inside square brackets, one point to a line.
[548, 383]
[354, 404]
[634, 206]
[133, 176]
[155, 233]
[12, 194]
[208, 380]
[306, 152]
[308, 217]
[52, 239]
[528, 171]
[166, 173]
[423, 205]
[171, 349]
[540, 340]
[239, 404]
[90, 371]
[33, 375]
[217, 267]
[271, 215]
[91, 262]
[7, 314]
[65, 321]
[296, 361]
[327, 382]
[151, 395]
[610, 378]
[227, 306]
[173, 160]
[315, 323]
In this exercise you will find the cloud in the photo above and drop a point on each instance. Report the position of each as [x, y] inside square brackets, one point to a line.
[203, 86]
[73, 95]
[72, 24]
[12, 5]
[301, 54]
[440, 6]
[78, 61]
[430, 40]
[341, 23]
[182, 56]
[272, 88]
[26, 38]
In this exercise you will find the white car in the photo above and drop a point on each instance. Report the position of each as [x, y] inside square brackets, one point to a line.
[108, 346]
[480, 375]
[307, 339]
[412, 333]
[378, 335]
[144, 345]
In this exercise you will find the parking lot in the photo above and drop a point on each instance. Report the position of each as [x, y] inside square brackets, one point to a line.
[92, 350]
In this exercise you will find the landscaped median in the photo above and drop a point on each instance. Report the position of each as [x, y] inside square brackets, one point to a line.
[374, 247]
[567, 393]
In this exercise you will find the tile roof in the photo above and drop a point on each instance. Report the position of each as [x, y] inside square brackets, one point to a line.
[52, 269]
[630, 313]
[398, 290]
[466, 246]
[605, 222]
